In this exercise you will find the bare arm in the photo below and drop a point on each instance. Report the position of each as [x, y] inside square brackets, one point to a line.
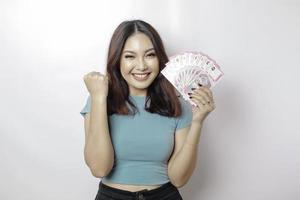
[98, 149]
[182, 164]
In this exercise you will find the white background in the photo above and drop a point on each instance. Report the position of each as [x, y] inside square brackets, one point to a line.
[249, 147]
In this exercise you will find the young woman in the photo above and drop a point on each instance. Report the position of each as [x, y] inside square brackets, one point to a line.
[141, 138]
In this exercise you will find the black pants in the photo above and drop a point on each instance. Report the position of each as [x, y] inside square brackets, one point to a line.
[166, 191]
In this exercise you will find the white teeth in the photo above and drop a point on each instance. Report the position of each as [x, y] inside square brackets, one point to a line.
[140, 75]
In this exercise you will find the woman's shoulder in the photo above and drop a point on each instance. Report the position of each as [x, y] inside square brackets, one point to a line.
[186, 113]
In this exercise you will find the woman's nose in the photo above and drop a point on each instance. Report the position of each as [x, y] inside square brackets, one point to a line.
[141, 65]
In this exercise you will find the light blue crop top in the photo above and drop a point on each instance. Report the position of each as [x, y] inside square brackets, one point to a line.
[142, 143]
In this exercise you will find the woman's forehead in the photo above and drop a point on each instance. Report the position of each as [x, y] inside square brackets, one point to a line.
[138, 43]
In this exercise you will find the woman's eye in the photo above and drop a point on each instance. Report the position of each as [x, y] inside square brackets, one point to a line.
[128, 56]
[151, 55]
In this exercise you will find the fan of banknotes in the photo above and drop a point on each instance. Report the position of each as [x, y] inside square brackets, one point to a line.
[185, 70]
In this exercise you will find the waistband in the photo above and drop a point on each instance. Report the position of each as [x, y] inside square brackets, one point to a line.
[160, 189]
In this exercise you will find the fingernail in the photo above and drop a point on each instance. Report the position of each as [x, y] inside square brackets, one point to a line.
[189, 93]
[199, 84]
[193, 88]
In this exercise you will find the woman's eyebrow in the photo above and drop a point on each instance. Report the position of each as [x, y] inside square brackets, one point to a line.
[134, 52]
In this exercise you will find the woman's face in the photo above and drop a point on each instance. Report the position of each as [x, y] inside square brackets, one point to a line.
[139, 64]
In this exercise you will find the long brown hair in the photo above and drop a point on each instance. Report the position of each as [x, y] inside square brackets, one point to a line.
[161, 94]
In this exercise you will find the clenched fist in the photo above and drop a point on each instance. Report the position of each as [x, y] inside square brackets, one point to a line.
[97, 84]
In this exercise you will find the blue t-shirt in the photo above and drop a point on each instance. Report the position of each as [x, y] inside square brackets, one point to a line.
[142, 143]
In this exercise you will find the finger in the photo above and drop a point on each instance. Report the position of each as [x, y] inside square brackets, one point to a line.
[208, 91]
[199, 98]
[105, 71]
[92, 74]
[108, 77]
[202, 93]
[198, 102]
[211, 105]
[99, 74]
[205, 89]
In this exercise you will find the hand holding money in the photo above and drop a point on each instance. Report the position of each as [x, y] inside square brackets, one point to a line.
[203, 98]
[186, 70]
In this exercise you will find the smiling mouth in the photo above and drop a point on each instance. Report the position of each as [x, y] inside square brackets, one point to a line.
[141, 77]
